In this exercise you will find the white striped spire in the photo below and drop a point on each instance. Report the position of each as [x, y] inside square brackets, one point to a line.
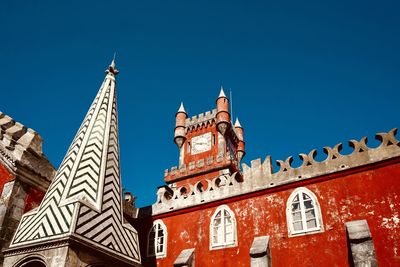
[84, 199]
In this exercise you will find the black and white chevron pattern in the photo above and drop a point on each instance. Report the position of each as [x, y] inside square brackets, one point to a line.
[105, 228]
[84, 198]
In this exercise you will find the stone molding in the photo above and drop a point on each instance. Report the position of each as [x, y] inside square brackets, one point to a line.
[259, 252]
[185, 258]
[361, 244]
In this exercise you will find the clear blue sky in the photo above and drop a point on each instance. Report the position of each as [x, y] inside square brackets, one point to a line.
[303, 75]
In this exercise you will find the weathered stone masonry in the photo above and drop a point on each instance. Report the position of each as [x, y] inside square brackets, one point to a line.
[25, 174]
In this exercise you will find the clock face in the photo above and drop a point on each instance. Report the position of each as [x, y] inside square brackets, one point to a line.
[201, 143]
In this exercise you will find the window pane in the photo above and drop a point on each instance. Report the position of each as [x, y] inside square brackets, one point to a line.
[296, 216]
[151, 248]
[228, 228]
[229, 238]
[160, 232]
[298, 226]
[296, 199]
[296, 206]
[310, 214]
[160, 248]
[308, 204]
[312, 223]
[305, 196]
[216, 233]
[218, 216]
[152, 235]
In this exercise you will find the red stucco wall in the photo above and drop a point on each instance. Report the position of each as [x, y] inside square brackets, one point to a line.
[372, 194]
[5, 177]
[33, 199]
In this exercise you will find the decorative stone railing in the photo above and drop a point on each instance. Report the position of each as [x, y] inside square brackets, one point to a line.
[260, 175]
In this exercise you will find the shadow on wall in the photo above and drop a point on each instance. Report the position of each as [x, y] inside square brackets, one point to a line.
[143, 225]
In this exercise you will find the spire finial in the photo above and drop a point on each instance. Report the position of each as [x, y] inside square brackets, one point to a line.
[111, 69]
[182, 108]
[222, 93]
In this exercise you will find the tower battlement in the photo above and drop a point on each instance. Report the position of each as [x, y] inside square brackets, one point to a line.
[200, 120]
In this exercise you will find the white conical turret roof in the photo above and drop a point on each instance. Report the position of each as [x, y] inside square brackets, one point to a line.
[237, 123]
[181, 108]
[222, 93]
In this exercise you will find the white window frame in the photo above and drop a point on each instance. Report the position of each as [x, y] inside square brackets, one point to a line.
[224, 243]
[317, 210]
[157, 224]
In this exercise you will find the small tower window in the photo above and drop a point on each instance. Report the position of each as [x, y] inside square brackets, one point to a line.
[303, 212]
[157, 240]
[188, 147]
[223, 228]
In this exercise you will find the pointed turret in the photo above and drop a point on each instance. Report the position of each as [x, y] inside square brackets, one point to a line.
[223, 115]
[239, 131]
[180, 129]
[83, 204]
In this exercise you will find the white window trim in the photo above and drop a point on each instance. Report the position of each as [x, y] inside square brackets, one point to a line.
[289, 216]
[162, 254]
[214, 246]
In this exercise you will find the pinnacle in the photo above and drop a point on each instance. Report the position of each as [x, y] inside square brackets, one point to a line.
[222, 93]
[237, 124]
[182, 108]
[111, 69]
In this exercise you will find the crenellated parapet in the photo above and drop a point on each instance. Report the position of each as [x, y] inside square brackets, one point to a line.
[200, 120]
[260, 174]
[196, 167]
[22, 146]
[207, 190]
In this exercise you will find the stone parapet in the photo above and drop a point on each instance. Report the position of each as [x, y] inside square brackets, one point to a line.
[23, 146]
[260, 174]
[200, 120]
[196, 167]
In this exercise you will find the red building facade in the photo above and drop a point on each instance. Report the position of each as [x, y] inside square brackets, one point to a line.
[343, 211]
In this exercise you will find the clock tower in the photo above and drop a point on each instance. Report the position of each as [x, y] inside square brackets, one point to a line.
[209, 145]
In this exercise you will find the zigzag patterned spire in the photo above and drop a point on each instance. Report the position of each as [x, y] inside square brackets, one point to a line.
[84, 198]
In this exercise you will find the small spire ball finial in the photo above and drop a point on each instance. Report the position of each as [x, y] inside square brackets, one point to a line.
[111, 69]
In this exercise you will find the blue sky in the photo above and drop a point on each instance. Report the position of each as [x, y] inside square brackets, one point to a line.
[303, 75]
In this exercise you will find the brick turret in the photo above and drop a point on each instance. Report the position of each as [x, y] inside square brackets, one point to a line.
[223, 115]
[239, 132]
[180, 129]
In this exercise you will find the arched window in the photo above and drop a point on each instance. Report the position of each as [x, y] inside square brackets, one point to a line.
[157, 240]
[32, 261]
[223, 228]
[303, 212]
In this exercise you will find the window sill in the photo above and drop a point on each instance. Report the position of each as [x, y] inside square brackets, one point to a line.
[217, 247]
[310, 232]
